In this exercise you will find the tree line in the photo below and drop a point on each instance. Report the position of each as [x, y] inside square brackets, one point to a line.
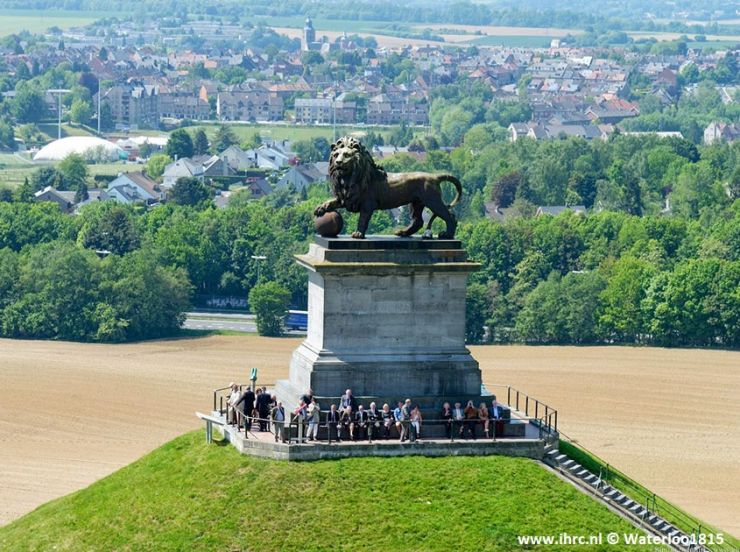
[606, 278]
[628, 271]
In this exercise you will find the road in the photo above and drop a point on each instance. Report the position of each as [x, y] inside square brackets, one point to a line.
[220, 321]
[225, 321]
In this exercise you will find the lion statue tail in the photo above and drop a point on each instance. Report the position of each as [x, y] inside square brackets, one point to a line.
[455, 200]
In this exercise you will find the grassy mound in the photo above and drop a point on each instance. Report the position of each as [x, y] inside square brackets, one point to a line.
[190, 496]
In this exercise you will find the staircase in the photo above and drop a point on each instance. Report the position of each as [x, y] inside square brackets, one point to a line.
[638, 514]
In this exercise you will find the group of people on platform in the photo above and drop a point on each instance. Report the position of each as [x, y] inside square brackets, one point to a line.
[349, 420]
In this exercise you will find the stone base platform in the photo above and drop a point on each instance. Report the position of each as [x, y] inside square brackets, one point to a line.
[263, 445]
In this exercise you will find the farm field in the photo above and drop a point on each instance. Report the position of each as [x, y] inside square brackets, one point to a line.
[36, 21]
[72, 413]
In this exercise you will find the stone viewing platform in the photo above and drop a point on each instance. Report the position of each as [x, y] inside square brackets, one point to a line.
[262, 444]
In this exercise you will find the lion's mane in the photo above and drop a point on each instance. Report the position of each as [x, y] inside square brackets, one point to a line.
[350, 184]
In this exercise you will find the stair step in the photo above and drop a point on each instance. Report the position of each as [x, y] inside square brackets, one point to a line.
[575, 468]
[568, 463]
[590, 477]
[561, 458]
[612, 493]
[553, 453]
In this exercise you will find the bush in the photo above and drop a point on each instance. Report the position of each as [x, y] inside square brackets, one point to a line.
[269, 302]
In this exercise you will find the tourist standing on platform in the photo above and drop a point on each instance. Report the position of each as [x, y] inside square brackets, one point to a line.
[334, 423]
[446, 418]
[247, 408]
[348, 422]
[314, 419]
[262, 405]
[307, 397]
[471, 418]
[278, 422]
[459, 416]
[498, 424]
[373, 417]
[388, 419]
[263, 408]
[406, 421]
[415, 424]
[361, 421]
[397, 417]
[484, 418]
[232, 414]
[300, 416]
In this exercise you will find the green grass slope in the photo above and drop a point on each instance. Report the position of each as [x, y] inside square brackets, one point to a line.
[191, 496]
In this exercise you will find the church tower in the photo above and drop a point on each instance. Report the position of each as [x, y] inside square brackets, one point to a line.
[309, 35]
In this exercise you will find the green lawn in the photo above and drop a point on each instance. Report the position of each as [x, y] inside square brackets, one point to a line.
[36, 21]
[191, 496]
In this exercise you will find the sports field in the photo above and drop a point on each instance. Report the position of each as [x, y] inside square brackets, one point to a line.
[71, 413]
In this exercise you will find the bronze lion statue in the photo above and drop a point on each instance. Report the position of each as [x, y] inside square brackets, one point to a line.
[362, 186]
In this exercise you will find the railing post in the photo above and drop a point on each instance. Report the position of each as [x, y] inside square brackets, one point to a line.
[214, 401]
[556, 420]
[526, 405]
[508, 395]
[536, 408]
[517, 400]
[221, 405]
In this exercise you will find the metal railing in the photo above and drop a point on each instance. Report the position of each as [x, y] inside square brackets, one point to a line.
[652, 502]
[522, 402]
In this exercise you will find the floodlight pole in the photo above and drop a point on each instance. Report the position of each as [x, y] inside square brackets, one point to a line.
[259, 265]
[99, 98]
[59, 92]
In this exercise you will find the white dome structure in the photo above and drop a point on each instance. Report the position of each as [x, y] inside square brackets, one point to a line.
[90, 147]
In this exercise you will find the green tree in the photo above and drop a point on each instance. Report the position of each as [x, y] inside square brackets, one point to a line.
[200, 142]
[224, 138]
[269, 301]
[81, 112]
[179, 144]
[313, 150]
[7, 135]
[74, 170]
[156, 164]
[108, 226]
[477, 312]
[82, 193]
[107, 122]
[189, 191]
[621, 316]
[28, 106]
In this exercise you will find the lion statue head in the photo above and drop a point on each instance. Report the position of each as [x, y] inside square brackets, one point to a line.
[352, 171]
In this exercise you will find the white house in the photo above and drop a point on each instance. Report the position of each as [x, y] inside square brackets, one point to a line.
[181, 168]
[134, 187]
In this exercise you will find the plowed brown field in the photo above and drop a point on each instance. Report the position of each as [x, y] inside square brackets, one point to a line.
[71, 413]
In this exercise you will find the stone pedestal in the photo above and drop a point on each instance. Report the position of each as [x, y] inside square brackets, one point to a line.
[386, 318]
